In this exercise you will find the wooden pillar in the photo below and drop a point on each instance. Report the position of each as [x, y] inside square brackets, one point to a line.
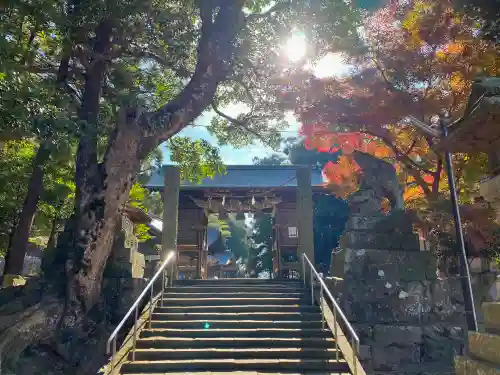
[304, 212]
[199, 248]
[276, 271]
[170, 213]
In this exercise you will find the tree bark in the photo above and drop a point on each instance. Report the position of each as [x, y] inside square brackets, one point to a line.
[52, 242]
[14, 259]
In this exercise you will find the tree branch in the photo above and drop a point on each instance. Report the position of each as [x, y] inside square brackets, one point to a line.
[215, 54]
[408, 163]
[408, 160]
[275, 8]
[148, 55]
[239, 123]
[410, 149]
[437, 175]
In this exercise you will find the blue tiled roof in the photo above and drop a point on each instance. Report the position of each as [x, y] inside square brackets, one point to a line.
[245, 176]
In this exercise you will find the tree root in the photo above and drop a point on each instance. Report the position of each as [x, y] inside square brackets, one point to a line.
[34, 324]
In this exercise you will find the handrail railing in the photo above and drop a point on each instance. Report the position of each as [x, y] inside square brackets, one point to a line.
[354, 342]
[135, 308]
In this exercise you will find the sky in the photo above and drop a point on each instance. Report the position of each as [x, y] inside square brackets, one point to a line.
[229, 154]
[295, 47]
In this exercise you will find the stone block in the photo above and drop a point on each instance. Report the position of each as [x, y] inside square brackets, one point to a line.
[439, 345]
[447, 301]
[363, 222]
[398, 335]
[383, 272]
[386, 310]
[337, 264]
[138, 265]
[382, 241]
[484, 346]
[365, 352]
[416, 266]
[491, 312]
[364, 332]
[468, 366]
[429, 368]
[395, 357]
[378, 289]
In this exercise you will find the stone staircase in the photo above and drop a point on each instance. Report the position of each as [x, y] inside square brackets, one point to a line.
[484, 347]
[245, 326]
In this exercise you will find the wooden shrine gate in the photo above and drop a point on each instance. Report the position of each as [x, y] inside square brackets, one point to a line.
[285, 192]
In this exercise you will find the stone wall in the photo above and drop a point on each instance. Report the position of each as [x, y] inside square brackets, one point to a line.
[409, 322]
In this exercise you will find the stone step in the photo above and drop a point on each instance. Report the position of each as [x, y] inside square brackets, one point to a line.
[491, 311]
[217, 289]
[231, 324]
[469, 366]
[232, 343]
[233, 333]
[264, 365]
[243, 281]
[236, 309]
[236, 294]
[229, 315]
[484, 346]
[249, 373]
[234, 353]
[203, 302]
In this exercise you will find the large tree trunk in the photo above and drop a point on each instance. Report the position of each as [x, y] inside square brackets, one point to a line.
[14, 259]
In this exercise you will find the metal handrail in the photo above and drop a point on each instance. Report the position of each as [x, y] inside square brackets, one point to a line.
[135, 308]
[336, 310]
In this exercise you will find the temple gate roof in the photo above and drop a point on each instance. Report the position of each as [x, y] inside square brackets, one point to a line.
[244, 176]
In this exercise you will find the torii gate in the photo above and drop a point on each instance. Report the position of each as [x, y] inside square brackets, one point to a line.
[286, 192]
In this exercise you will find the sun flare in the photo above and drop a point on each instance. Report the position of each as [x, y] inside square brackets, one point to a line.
[296, 47]
[330, 65]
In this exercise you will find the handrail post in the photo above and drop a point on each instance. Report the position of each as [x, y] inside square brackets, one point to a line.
[114, 354]
[134, 338]
[151, 305]
[162, 287]
[312, 288]
[336, 311]
[322, 308]
[134, 309]
[173, 274]
[303, 270]
[354, 355]
[336, 333]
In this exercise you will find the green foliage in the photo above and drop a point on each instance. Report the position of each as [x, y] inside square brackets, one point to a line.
[487, 13]
[15, 169]
[137, 198]
[221, 225]
[238, 243]
[274, 159]
[47, 59]
[298, 154]
[153, 201]
[141, 231]
[197, 159]
[262, 244]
